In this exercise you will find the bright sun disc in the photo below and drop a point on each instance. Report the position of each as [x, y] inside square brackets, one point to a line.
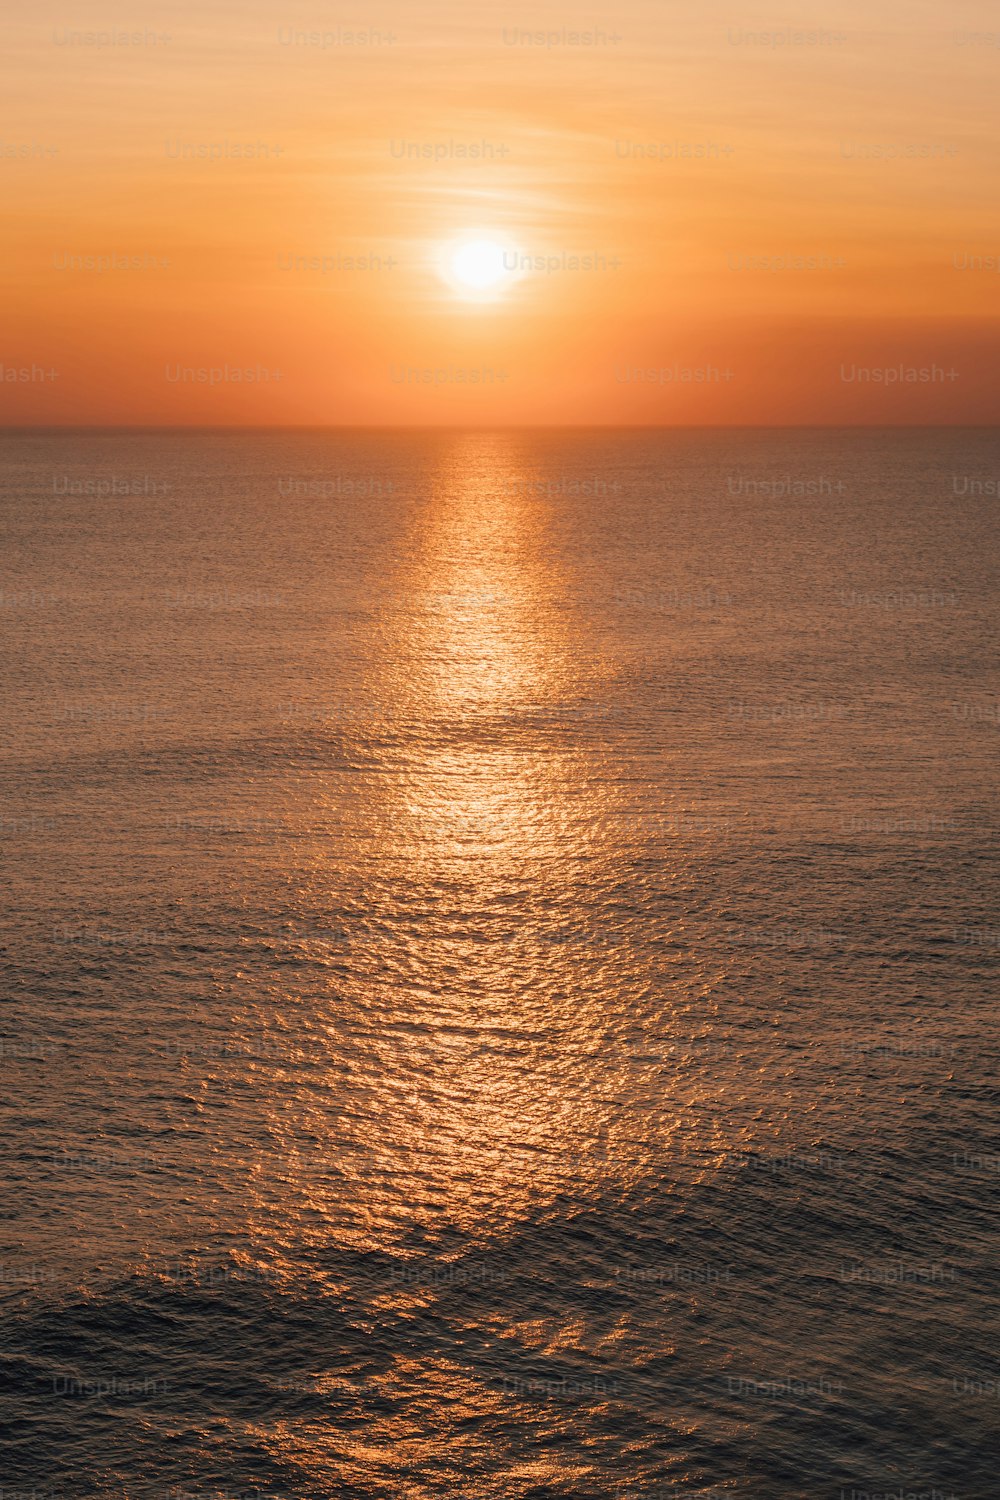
[480, 265]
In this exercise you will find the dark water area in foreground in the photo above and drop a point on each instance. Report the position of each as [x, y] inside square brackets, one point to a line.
[498, 964]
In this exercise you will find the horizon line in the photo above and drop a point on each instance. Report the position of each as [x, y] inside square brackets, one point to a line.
[21, 429]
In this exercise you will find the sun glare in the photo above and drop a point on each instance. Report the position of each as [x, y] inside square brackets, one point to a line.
[480, 268]
[479, 264]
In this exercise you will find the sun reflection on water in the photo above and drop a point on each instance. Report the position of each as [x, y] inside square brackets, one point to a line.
[484, 1078]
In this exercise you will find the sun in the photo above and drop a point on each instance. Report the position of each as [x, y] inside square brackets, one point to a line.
[479, 264]
[480, 268]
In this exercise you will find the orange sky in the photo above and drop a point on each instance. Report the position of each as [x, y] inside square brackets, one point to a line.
[690, 151]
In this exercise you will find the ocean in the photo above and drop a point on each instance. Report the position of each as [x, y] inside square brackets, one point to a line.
[498, 964]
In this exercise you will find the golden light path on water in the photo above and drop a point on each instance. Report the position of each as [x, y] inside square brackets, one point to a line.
[532, 1034]
[499, 1006]
[504, 999]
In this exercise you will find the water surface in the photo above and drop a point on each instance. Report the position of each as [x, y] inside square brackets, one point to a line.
[497, 961]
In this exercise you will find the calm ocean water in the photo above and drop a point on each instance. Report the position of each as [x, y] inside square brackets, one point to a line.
[498, 963]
